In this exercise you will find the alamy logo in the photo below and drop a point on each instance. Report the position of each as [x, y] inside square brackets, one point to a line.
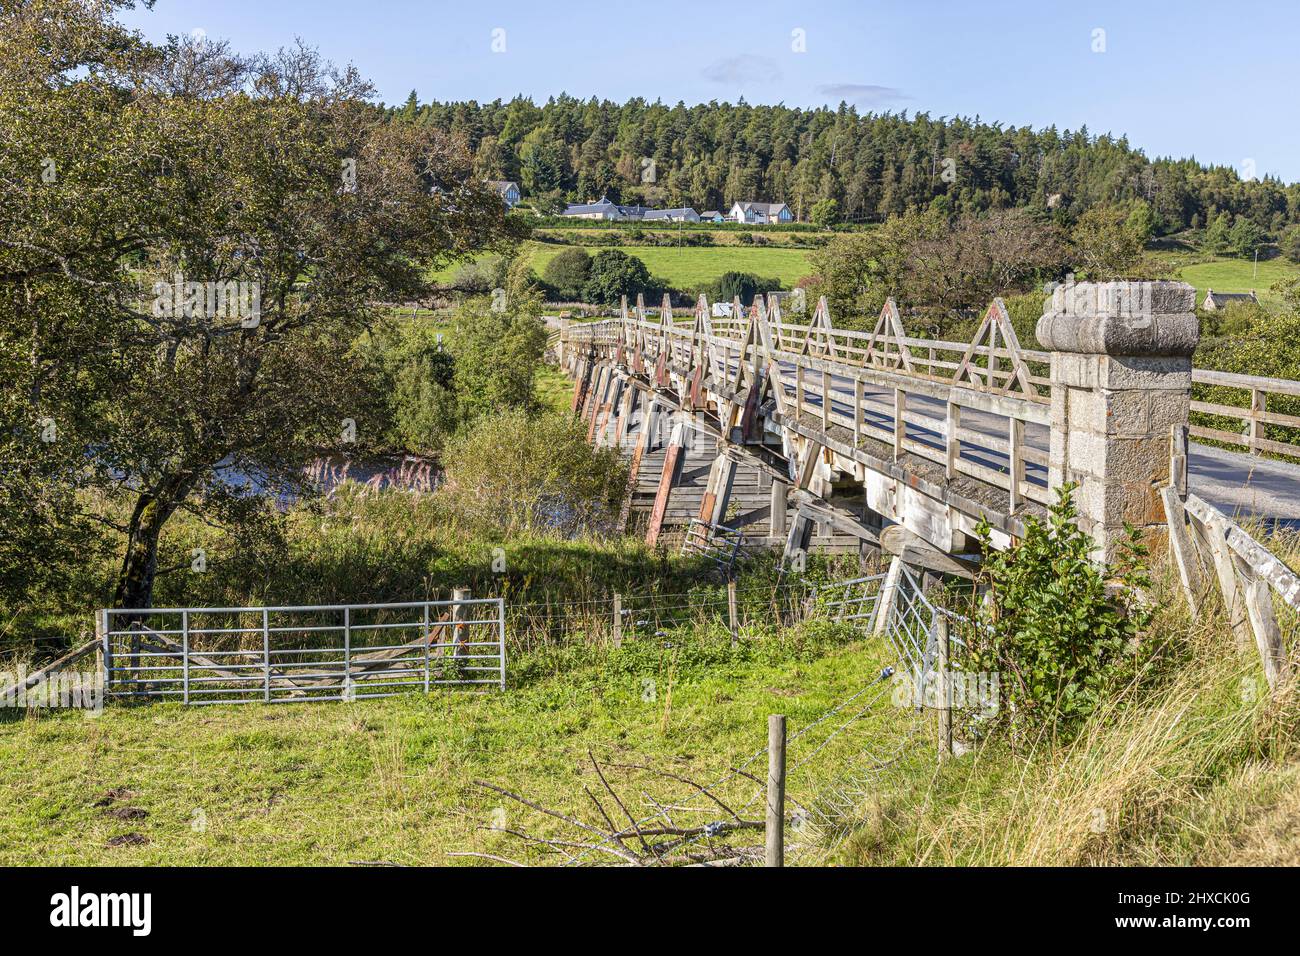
[73, 909]
[211, 300]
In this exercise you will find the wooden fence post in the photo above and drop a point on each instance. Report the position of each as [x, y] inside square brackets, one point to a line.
[731, 610]
[940, 625]
[618, 620]
[775, 827]
[458, 630]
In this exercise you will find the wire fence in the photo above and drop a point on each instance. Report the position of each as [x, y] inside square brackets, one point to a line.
[831, 760]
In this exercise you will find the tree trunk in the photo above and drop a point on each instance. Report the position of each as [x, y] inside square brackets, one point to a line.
[140, 564]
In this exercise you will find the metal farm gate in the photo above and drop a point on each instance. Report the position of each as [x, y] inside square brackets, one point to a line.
[304, 653]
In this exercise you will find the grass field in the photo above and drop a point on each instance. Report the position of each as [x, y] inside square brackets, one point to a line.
[392, 779]
[688, 267]
[1239, 275]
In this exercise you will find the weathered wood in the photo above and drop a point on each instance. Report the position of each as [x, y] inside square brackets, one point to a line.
[1182, 551]
[37, 677]
[1215, 536]
[1258, 598]
[919, 552]
[1263, 563]
[888, 595]
[618, 620]
[775, 825]
[939, 626]
[671, 457]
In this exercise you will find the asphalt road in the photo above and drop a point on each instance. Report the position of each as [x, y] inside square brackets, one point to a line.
[1238, 484]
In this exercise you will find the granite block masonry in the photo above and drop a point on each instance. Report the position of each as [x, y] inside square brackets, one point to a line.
[1121, 384]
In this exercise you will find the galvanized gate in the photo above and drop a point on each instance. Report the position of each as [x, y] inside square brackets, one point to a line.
[207, 655]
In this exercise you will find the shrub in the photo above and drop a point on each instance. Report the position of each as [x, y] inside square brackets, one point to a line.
[567, 272]
[613, 274]
[1057, 638]
[743, 284]
[514, 473]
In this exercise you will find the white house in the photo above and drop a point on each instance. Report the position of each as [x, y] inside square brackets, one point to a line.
[507, 190]
[761, 213]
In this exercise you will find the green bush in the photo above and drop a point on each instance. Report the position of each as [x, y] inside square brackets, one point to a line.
[514, 474]
[567, 273]
[1054, 634]
[743, 284]
[614, 274]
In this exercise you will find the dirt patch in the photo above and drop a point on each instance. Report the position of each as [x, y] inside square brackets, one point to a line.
[126, 813]
[110, 797]
[127, 839]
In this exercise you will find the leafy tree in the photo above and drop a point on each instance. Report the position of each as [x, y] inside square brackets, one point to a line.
[1141, 222]
[1217, 234]
[496, 355]
[274, 172]
[1106, 244]
[567, 272]
[825, 213]
[614, 274]
[515, 473]
[1290, 244]
[1244, 238]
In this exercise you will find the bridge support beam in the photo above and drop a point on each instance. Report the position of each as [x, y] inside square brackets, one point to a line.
[1121, 386]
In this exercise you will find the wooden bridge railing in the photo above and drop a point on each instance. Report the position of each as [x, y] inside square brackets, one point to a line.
[1229, 408]
[968, 413]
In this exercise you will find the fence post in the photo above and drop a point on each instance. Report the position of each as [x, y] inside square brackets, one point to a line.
[618, 620]
[185, 655]
[775, 827]
[457, 617]
[347, 653]
[732, 616]
[428, 638]
[266, 655]
[945, 685]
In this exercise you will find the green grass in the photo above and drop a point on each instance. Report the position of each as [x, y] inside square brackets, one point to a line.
[393, 779]
[687, 267]
[1238, 275]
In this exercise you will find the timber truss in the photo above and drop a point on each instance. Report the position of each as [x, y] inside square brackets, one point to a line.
[937, 436]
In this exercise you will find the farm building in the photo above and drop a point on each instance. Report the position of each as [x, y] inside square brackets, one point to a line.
[1221, 300]
[673, 215]
[712, 216]
[604, 209]
[761, 213]
[507, 190]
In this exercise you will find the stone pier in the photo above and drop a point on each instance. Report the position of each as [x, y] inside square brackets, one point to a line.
[1121, 387]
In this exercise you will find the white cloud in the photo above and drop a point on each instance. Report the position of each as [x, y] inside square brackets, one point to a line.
[746, 68]
[865, 94]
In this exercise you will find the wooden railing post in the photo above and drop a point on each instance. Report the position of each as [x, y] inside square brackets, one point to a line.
[775, 822]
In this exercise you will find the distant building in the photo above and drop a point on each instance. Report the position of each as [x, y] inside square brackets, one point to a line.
[673, 215]
[712, 216]
[604, 209]
[762, 213]
[508, 191]
[1220, 300]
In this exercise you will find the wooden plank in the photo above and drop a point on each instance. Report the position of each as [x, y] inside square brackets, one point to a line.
[919, 552]
[1268, 636]
[36, 677]
[1182, 551]
[888, 595]
[671, 456]
[1262, 562]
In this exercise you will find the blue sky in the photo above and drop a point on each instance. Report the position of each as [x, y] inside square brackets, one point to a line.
[1214, 80]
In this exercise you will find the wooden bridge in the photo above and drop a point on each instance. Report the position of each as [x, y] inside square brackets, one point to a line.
[808, 435]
